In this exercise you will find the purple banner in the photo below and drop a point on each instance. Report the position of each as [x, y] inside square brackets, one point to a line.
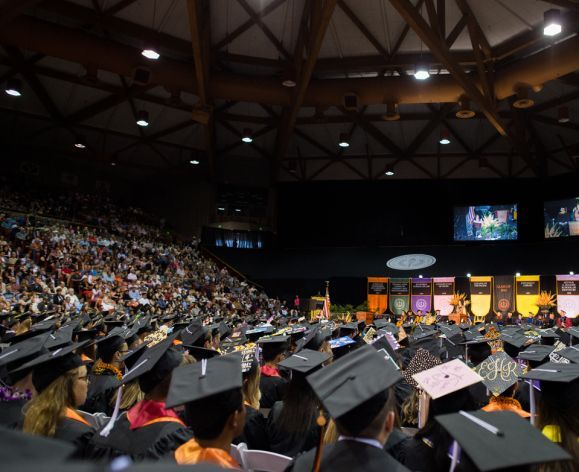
[421, 295]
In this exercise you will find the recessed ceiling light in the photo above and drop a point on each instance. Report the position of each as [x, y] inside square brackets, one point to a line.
[13, 87]
[151, 53]
[143, 118]
[421, 72]
[247, 136]
[344, 141]
[194, 162]
[552, 22]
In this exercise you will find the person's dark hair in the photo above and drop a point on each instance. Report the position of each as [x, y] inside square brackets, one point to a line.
[300, 406]
[479, 353]
[270, 351]
[207, 417]
[366, 419]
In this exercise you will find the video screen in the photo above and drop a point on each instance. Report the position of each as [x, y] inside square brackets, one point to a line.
[485, 223]
[562, 218]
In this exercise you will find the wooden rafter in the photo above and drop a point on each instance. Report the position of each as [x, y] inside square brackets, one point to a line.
[320, 17]
[199, 25]
[473, 23]
[440, 50]
[117, 7]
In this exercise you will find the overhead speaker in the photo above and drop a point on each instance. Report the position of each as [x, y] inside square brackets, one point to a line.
[141, 76]
[351, 102]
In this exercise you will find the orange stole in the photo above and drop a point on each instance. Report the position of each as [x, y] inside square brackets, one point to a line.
[192, 453]
[73, 415]
[506, 404]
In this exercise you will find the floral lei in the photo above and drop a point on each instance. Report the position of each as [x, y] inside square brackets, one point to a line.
[101, 367]
[8, 394]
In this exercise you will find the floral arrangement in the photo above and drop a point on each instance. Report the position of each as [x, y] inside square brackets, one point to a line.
[545, 300]
[459, 299]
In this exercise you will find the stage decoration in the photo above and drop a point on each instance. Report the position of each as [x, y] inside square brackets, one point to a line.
[377, 294]
[421, 295]
[527, 289]
[568, 295]
[503, 291]
[459, 303]
[411, 262]
[545, 301]
[480, 297]
[399, 295]
[443, 288]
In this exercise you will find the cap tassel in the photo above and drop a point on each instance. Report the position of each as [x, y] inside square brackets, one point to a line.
[454, 459]
[322, 423]
[203, 367]
[109, 427]
[533, 403]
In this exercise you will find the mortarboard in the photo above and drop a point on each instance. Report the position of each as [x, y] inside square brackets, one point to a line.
[500, 440]
[109, 344]
[204, 379]
[341, 346]
[133, 355]
[154, 364]
[499, 372]
[351, 383]
[554, 372]
[536, 353]
[194, 334]
[446, 378]
[422, 360]
[51, 365]
[20, 353]
[305, 362]
[60, 338]
[571, 353]
[201, 353]
[348, 329]
[249, 359]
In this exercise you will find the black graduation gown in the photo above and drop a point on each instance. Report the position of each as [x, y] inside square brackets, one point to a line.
[479, 395]
[417, 456]
[152, 442]
[11, 415]
[75, 432]
[272, 390]
[254, 433]
[348, 456]
[101, 391]
[288, 444]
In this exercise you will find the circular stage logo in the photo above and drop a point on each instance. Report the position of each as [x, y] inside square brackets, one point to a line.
[504, 304]
[411, 262]
[421, 304]
[399, 304]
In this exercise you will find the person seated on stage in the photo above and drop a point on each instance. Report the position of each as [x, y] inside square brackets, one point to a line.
[355, 391]
[254, 433]
[148, 430]
[211, 391]
[61, 380]
[106, 375]
[272, 384]
[19, 388]
[292, 426]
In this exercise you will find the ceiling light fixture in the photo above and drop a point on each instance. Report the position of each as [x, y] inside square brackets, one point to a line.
[194, 162]
[392, 113]
[464, 110]
[563, 115]
[143, 118]
[80, 142]
[344, 142]
[247, 136]
[518, 274]
[444, 137]
[421, 72]
[552, 22]
[468, 275]
[151, 51]
[389, 171]
[13, 87]
[288, 78]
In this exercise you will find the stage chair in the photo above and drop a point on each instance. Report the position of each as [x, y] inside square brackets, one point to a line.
[237, 451]
[264, 461]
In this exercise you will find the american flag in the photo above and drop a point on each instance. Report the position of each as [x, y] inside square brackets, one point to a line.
[325, 313]
[471, 214]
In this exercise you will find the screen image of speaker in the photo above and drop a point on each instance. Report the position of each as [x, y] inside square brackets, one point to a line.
[486, 223]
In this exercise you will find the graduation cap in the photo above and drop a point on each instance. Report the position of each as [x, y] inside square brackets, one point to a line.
[60, 338]
[499, 372]
[194, 334]
[48, 367]
[133, 355]
[554, 372]
[111, 324]
[17, 448]
[23, 336]
[341, 346]
[384, 324]
[571, 353]
[204, 379]
[201, 353]
[421, 361]
[347, 329]
[154, 364]
[513, 343]
[305, 362]
[18, 354]
[509, 440]
[249, 359]
[354, 388]
[385, 348]
[536, 353]
[86, 334]
[449, 330]
[446, 378]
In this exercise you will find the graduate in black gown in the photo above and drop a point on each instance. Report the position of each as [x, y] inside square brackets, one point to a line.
[148, 430]
[272, 384]
[61, 380]
[291, 425]
[355, 390]
[254, 432]
[18, 389]
[106, 375]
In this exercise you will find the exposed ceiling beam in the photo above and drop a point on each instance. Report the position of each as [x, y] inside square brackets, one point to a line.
[320, 17]
[477, 31]
[199, 25]
[570, 4]
[117, 7]
[440, 50]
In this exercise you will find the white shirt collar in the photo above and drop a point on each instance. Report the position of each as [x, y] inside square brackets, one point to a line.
[368, 441]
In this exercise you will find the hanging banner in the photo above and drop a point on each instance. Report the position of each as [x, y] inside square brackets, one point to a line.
[443, 288]
[399, 295]
[568, 295]
[480, 295]
[377, 294]
[503, 294]
[527, 289]
[421, 295]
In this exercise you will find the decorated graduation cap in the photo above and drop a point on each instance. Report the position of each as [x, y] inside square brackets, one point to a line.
[422, 360]
[154, 364]
[204, 379]
[571, 353]
[509, 441]
[50, 366]
[342, 346]
[499, 372]
[305, 362]
[354, 388]
[446, 378]
[249, 359]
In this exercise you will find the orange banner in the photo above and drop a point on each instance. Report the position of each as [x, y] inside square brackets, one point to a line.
[377, 294]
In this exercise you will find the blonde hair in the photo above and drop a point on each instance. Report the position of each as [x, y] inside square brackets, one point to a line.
[331, 434]
[132, 394]
[251, 391]
[409, 409]
[43, 413]
[24, 326]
